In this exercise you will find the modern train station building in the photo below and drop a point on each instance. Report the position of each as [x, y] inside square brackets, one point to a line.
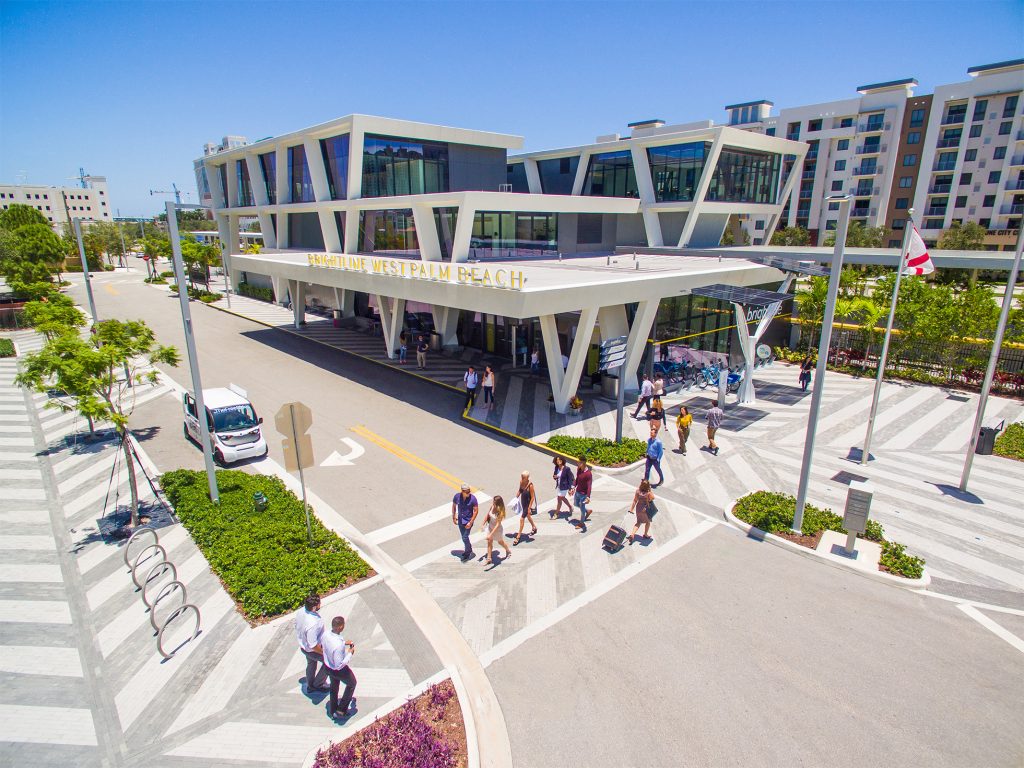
[404, 224]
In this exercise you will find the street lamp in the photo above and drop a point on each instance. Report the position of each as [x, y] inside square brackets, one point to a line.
[190, 346]
[85, 270]
[823, 346]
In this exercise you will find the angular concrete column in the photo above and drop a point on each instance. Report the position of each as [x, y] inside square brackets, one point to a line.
[297, 289]
[639, 332]
[446, 323]
[748, 342]
[329, 228]
[426, 232]
[345, 301]
[280, 290]
[392, 320]
[267, 228]
[463, 233]
[352, 231]
[564, 384]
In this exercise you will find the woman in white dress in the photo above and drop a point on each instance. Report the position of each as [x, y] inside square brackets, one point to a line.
[494, 528]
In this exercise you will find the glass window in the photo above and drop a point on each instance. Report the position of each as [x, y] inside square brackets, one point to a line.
[975, 132]
[902, 203]
[814, 125]
[770, 131]
[676, 169]
[988, 201]
[999, 153]
[906, 182]
[203, 182]
[840, 165]
[986, 223]
[515, 174]
[914, 137]
[557, 176]
[396, 166]
[970, 154]
[391, 231]
[833, 206]
[916, 118]
[899, 223]
[298, 176]
[611, 174]
[335, 152]
[979, 109]
[1011, 106]
[244, 184]
[1004, 128]
[268, 164]
[965, 178]
[993, 177]
[830, 225]
[222, 171]
[909, 160]
[837, 186]
[846, 122]
[745, 176]
[961, 201]
[842, 144]
[498, 234]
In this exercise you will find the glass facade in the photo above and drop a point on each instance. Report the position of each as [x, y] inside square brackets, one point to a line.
[445, 220]
[389, 231]
[222, 172]
[499, 235]
[393, 166]
[745, 176]
[516, 176]
[558, 176]
[244, 184]
[335, 152]
[268, 164]
[611, 174]
[298, 176]
[675, 170]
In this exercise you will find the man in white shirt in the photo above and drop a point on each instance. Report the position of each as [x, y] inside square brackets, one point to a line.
[309, 628]
[646, 392]
[471, 378]
[337, 654]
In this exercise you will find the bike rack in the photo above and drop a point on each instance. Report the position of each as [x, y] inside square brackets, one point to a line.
[167, 588]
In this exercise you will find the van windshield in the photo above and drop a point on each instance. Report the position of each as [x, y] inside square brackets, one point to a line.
[234, 417]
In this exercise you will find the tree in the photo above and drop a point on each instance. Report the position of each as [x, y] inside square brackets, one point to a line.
[859, 236]
[38, 243]
[850, 302]
[198, 258]
[962, 237]
[54, 315]
[19, 215]
[791, 236]
[87, 373]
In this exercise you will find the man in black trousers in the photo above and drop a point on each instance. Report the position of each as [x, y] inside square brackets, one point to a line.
[337, 654]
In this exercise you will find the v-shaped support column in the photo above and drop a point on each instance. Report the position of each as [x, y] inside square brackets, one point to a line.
[748, 342]
[392, 318]
[564, 383]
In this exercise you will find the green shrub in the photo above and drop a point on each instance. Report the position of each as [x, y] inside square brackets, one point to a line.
[73, 268]
[263, 558]
[600, 451]
[156, 281]
[167, 273]
[6, 348]
[256, 292]
[207, 297]
[896, 560]
[1011, 442]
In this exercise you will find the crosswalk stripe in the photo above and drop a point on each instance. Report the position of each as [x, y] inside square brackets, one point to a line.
[936, 417]
[100, 467]
[885, 417]
[36, 660]
[958, 439]
[541, 594]
[36, 542]
[35, 611]
[478, 620]
[38, 573]
[64, 725]
[20, 474]
[510, 410]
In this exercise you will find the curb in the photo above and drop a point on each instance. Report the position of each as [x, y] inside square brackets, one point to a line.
[882, 576]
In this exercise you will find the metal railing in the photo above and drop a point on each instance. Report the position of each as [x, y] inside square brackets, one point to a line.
[871, 149]
[793, 136]
[811, 154]
[865, 191]
[807, 175]
[953, 119]
[942, 165]
[935, 211]
[156, 573]
[1013, 209]
[865, 170]
[1020, 135]
[946, 143]
[1019, 184]
[939, 189]
[1017, 160]
[873, 126]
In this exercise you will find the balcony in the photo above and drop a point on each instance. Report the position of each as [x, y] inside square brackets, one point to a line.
[939, 189]
[946, 143]
[871, 149]
[956, 119]
[1015, 184]
[862, 213]
[935, 211]
[865, 170]
[1014, 209]
[807, 174]
[793, 136]
[865, 191]
[813, 153]
[1020, 135]
[1017, 160]
[944, 165]
[873, 126]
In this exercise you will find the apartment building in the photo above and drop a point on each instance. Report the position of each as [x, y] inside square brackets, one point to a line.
[955, 155]
[88, 202]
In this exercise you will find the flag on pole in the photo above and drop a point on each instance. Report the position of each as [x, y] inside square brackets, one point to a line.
[918, 262]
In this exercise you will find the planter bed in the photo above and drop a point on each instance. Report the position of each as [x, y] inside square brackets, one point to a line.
[600, 452]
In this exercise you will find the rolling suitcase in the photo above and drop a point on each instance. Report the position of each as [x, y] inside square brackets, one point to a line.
[616, 536]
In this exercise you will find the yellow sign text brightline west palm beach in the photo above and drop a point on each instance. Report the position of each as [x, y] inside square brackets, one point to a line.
[512, 279]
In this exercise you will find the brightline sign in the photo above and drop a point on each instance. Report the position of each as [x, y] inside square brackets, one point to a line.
[510, 279]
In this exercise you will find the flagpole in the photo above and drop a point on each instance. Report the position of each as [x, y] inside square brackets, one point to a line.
[865, 454]
[993, 359]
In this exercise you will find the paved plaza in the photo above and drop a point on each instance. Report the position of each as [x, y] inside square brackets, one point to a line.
[666, 629]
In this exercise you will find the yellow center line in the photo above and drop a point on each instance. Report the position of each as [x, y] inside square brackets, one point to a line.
[421, 464]
[111, 289]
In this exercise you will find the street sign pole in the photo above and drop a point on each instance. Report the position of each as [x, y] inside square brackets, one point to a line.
[302, 477]
[85, 271]
[613, 355]
[620, 401]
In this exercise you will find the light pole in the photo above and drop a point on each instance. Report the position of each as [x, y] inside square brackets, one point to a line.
[190, 347]
[993, 359]
[823, 345]
[85, 270]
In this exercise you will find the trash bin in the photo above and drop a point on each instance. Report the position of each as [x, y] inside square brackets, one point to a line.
[435, 341]
[336, 317]
[986, 440]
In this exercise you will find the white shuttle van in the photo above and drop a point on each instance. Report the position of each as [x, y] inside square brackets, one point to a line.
[233, 423]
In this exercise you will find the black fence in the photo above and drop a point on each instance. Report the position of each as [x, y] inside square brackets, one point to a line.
[12, 318]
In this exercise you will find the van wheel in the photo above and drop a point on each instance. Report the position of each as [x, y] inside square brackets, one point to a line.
[218, 458]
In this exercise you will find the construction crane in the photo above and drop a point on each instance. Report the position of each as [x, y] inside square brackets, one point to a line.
[82, 176]
[176, 192]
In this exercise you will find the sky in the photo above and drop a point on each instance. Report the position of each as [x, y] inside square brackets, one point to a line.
[132, 91]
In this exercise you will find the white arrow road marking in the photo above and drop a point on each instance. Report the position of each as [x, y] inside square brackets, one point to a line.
[337, 460]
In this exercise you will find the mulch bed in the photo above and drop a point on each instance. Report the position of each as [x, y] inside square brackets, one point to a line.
[804, 540]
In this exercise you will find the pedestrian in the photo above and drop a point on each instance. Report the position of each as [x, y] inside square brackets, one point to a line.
[494, 528]
[683, 422]
[527, 496]
[655, 450]
[464, 511]
[644, 400]
[338, 653]
[644, 508]
[488, 387]
[565, 362]
[581, 491]
[659, 386]
[535, 361]
[656, 415]
[805, 372]
[471, 379]
[309, 628]
[563, 485]
[403, 347]
[714, 417]
[421, 352]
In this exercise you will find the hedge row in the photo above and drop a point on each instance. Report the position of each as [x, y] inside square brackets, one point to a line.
[263, 558]
[600, 452]
[6, 348]
[256, 292]
[1010, 442]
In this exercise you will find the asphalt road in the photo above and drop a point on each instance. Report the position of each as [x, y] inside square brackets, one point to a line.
[726, 652]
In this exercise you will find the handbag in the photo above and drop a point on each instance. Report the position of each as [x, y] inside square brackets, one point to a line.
[652, 509]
